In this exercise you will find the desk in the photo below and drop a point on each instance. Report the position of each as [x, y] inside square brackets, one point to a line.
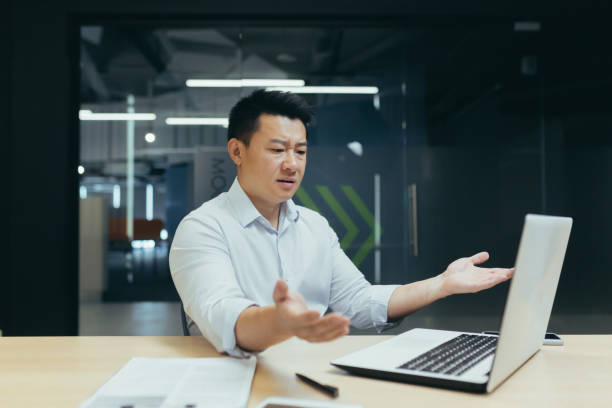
[55, 372]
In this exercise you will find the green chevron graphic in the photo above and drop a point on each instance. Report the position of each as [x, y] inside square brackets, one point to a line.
[305, 199]
[367, 216]
[351, 229]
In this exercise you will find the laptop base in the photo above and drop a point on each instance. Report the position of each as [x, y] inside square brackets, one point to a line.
[416, 379]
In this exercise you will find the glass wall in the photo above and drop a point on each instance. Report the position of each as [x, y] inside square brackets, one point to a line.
[431, 142]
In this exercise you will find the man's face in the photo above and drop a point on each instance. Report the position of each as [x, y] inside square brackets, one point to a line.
[273, 164]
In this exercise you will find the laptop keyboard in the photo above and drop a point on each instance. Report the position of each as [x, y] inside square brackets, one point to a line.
[454, 357]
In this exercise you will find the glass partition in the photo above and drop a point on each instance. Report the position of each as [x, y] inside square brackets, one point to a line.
[431, 141]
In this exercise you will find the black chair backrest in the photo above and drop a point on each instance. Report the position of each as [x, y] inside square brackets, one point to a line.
[184, 321]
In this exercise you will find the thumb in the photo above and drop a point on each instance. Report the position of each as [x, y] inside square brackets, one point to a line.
[479, 258]
[281, 291]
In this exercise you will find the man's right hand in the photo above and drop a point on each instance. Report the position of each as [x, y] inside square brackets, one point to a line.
[296, 319]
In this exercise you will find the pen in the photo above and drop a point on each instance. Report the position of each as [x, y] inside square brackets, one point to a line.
[328, 389]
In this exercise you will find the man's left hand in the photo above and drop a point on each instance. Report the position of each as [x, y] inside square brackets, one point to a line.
[463, 276]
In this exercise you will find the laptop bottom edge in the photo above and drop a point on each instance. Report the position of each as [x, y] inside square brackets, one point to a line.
[415, 379]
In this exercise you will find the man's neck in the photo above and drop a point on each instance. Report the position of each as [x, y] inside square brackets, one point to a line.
[269, 212]
[272, 214]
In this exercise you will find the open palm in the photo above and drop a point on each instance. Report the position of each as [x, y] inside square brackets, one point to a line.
[463, 276]
[295, 317]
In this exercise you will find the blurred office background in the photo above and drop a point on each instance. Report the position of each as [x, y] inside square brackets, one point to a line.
[439, 128]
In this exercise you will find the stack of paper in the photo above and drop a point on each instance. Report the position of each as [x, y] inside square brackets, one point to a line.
[177, 383]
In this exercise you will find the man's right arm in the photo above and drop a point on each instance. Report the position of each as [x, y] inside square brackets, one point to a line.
[204, 278]
[258, 328]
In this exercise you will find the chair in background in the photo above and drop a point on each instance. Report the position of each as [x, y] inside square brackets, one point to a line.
[184, 321]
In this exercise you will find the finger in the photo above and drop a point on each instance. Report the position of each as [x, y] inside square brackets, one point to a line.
[502, 272]
[330, 320]
[341, 331]
[479, 258]
[296, 322]
[307, 318]
[321, 326]
[281, 291]
[327, 324]
[325, 333]
[493, 277]
[331, 335]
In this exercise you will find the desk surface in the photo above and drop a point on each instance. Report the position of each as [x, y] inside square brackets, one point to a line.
[63, 371]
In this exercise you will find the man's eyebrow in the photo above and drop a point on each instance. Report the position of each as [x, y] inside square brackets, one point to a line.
[285, 143]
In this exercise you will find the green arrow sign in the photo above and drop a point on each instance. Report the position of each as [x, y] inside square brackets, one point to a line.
[352, 231]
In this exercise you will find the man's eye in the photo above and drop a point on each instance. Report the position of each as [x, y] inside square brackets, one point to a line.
[277, 150]
[301, 152]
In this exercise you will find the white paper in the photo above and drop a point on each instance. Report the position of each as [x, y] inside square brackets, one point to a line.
[177, 383]
[285, 402]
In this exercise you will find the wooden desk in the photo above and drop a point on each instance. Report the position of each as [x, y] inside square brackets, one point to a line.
[62, 371]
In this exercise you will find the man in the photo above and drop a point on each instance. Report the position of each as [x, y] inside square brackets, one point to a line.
[254, 269]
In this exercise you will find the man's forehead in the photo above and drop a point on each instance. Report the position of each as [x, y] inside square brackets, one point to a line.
[280, 122]
[280, 129]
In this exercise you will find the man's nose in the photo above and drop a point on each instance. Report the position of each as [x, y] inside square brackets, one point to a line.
[290, 162]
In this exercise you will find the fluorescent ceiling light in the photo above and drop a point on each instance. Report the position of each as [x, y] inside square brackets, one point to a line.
[116, 196]
[89, 115]
[529, 26]
[197, 121]
[149, 202]
[367, 90]
[242, 83]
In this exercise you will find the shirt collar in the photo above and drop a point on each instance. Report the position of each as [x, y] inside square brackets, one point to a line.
[292, 211]
[246, 212]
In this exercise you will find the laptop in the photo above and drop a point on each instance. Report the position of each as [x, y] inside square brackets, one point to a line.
[479, 362]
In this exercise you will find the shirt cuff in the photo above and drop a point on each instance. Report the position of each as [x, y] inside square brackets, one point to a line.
[224, 323]
[379, 306]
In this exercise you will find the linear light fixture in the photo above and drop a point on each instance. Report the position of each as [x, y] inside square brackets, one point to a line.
[362, 90]
[116, 196]
[242, 83]
[198, 121]
[149, 202]
[529, 26]
[89, 115]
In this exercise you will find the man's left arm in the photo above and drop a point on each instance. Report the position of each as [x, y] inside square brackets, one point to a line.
[461, 276]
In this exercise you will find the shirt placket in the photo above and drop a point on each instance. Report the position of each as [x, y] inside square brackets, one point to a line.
[281, 263]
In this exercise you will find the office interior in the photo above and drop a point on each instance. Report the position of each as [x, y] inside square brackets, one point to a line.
[462, 121]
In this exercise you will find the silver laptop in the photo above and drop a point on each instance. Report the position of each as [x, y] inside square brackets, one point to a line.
[477, 362]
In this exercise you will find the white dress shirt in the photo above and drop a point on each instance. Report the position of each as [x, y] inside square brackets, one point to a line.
[226, 256]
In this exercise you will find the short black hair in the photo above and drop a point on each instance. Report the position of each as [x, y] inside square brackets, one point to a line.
[243, 118]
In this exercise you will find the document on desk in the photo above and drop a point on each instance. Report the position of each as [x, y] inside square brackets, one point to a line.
[177, 383]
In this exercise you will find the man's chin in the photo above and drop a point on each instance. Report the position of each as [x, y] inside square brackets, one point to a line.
[286, 194]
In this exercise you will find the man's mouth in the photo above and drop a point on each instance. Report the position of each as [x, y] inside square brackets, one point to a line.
[287, 183]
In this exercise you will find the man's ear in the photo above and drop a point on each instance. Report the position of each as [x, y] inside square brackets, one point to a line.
[235, 148]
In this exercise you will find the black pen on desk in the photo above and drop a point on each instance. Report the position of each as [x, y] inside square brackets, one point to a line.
[328, 389]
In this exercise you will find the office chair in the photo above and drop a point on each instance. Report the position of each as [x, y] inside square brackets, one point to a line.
[184, 321]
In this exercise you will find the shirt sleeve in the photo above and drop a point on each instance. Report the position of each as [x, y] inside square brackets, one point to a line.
[204, 277]
[353, 296]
